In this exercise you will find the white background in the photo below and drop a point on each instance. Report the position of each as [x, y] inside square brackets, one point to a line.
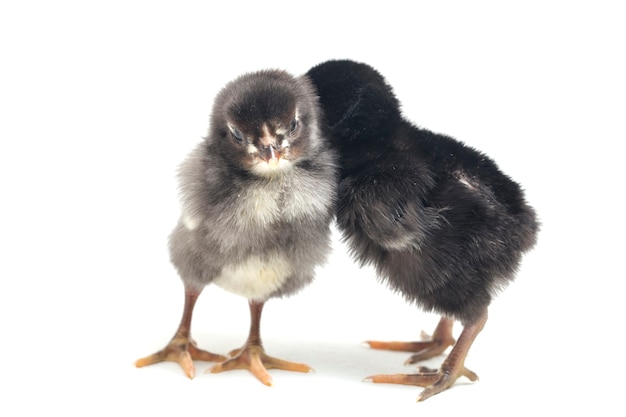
[99, 103]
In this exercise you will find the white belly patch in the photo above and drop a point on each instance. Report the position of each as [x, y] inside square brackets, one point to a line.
[255, 277]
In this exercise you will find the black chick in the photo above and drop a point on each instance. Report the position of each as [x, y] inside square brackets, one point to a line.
[258, 198]
[437, 219]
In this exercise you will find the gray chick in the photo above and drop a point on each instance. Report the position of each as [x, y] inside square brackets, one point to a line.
[257, 203]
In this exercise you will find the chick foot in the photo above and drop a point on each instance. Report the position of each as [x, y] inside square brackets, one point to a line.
[183, 351]
[253, 358]
[426, 349]
[436, 381]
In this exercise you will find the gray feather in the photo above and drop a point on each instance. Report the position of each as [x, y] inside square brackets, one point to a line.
[259, 232]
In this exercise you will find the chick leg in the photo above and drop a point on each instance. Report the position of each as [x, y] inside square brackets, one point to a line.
[182, 349]
[438, 343]
[252, 356]
[452, 368]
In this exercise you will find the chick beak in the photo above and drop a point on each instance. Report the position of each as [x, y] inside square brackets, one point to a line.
[274, 156]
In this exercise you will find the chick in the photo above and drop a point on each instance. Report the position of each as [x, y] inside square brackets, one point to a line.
[258, 199]
[441, 224]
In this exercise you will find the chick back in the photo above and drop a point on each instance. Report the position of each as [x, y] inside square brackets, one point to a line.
[437, 219]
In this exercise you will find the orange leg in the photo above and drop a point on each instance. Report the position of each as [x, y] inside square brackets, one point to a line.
[182, 349]
[452, 368]
[438, 343]
[252, 356]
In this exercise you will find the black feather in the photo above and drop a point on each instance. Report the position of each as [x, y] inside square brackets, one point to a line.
[437, 219]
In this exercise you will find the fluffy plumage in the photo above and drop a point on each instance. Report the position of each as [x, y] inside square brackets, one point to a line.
[438, 220]
[257, 202]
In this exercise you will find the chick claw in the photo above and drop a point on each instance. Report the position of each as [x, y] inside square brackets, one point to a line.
[254, 359]
[424, 349]
[433, 381]
[182, 351]
[428, 347]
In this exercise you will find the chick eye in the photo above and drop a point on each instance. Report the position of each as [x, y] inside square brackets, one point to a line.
[236, 133]
[293, 126]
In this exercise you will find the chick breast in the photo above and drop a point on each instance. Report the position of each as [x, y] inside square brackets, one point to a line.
[256, 277]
